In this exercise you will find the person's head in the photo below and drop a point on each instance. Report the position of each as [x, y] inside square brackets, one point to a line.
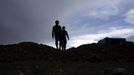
[57, 22]
[63, 28]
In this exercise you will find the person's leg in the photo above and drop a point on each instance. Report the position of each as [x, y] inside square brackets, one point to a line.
[63, 47]
[60, 45]
[56, 42]
[65, 44]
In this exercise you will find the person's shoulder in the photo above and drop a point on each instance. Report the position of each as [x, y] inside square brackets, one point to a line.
[54, 26]
[59, 26]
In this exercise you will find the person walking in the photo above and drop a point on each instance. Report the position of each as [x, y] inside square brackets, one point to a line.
[56, 34]
[64, 37]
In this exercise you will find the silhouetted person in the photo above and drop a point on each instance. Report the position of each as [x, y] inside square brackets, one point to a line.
[64, 37]
[56, 33]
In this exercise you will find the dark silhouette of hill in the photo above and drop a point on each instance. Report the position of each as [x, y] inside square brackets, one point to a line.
[95, 52]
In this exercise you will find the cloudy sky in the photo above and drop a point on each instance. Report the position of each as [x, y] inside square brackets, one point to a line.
[86, 21]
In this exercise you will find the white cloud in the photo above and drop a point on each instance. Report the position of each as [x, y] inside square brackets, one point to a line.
[77, 41]
[92, 38]
[130, 16]
[130, 38]
[103, 14]
[94, 8]
[101, 9]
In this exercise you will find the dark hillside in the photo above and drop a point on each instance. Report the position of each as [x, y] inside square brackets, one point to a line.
[29, 51]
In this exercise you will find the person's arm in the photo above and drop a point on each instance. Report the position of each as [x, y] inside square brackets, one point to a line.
[53, 33]
[67, 35]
